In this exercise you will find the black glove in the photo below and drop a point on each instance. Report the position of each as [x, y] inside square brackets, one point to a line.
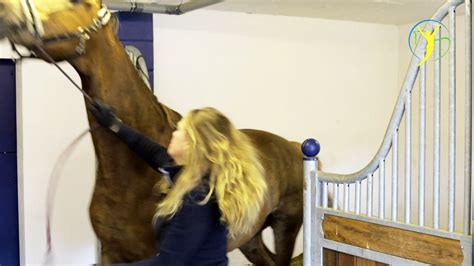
[105, 115]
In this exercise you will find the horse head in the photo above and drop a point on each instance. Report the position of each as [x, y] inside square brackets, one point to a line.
[62, 28]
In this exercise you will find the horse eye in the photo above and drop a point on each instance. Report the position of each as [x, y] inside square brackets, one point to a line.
[75, 1]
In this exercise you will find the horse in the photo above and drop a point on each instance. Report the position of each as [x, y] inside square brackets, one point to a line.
[125, 195]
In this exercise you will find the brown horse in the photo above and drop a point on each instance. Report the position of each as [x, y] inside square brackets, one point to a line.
[123, 201]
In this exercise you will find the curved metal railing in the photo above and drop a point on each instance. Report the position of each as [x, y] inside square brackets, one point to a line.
[397, 114]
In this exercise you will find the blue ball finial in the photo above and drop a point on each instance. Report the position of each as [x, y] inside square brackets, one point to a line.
[310, 147]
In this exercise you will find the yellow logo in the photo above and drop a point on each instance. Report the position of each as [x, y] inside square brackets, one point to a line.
[417, 32]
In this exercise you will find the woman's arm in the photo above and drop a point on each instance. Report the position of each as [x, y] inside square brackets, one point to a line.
[151, 152]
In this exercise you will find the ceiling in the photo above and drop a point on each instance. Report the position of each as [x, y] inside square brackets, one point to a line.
[395, 12]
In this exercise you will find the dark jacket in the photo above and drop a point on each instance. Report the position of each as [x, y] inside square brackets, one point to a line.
[194, 236]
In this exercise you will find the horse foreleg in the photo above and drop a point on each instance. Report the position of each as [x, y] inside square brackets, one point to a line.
[257, 253]
[285, 229]
[108, 257]
[105, 260]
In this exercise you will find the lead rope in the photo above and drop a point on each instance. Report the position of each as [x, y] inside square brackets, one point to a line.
[51, 60]
[52, 188]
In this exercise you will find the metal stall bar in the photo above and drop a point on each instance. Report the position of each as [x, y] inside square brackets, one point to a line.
[382, 190]
[437, 131]
[357, 200]
[395, 176]
[408, 170]
[346, 197]
[369, 195]
[325, 194]
[422, 147]
[452, 120]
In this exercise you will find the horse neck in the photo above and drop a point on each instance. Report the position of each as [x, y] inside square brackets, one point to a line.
[108, 74]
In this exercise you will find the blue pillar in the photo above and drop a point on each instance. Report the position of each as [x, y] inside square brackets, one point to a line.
[9, 236]
[137, 29]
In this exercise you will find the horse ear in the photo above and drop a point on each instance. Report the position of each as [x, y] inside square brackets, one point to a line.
[115, 23]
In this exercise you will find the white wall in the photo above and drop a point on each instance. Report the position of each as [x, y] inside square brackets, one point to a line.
[51, 114]
[297, 77]
[5, 50]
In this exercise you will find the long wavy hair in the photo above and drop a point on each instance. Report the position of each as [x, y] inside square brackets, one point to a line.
[236, 176]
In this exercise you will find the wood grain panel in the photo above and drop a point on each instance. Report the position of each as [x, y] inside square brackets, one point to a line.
[402, 243]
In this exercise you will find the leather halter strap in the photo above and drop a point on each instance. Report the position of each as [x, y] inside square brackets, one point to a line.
[35, 27]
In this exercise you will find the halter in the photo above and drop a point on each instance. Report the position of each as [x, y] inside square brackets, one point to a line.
[35, 27]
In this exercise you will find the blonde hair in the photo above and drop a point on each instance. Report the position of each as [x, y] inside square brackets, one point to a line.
[236, 176]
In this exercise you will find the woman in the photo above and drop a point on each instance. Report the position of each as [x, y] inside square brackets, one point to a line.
[217, 188]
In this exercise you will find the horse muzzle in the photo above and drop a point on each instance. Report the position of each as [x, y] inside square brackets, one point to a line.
[12, 20]
[7, 30]
[3, 31]
[3, 25]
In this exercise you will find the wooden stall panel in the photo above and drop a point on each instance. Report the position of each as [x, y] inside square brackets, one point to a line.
[397, 242]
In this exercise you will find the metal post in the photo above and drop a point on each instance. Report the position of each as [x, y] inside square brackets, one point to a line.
[311, 195]
[312, 222]
[309, 168]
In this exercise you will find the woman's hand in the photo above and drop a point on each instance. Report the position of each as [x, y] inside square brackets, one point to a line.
[105, 116]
